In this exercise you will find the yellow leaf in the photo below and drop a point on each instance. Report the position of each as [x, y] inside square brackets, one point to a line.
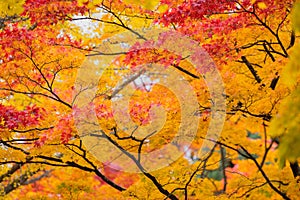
[81, 2]
[262, 5]
[162, 8]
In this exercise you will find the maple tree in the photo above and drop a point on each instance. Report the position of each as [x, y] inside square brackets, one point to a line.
[45, 43]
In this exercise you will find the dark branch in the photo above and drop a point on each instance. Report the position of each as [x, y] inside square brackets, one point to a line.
[252, 70]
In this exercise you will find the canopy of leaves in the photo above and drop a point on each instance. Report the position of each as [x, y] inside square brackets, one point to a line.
[44, 44]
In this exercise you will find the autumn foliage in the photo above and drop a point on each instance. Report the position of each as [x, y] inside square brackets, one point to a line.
[45, 45]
